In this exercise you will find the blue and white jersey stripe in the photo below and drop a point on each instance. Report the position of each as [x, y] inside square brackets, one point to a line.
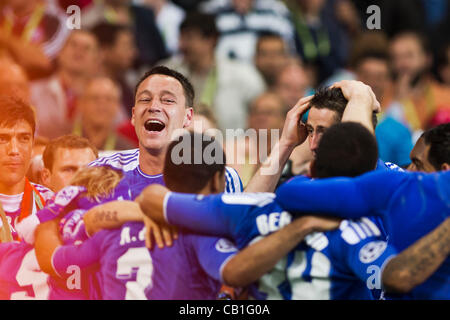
[128, 161]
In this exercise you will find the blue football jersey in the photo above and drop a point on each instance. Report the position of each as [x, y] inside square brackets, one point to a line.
[189, 269]
[411, 204]
[341, 264]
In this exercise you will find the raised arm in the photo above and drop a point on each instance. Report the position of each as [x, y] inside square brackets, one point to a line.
[259, 258]
[294, 133]
[362, 103]
[417, 263]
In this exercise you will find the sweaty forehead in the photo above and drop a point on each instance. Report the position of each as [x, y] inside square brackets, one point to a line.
[322, 117]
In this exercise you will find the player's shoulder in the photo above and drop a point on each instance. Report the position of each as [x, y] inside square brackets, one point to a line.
[126, 160]
[45, 192]
[233, 181]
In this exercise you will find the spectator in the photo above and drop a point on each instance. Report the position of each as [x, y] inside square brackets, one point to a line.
[13, 80]
[139, 18]
[292, 83]
[63, 157]
[36, 165]
[118, 52]
[32, 33]
[55, 98]
[241, 21]
[420, 96]
[320, 38]
[226, 86]
[168, 19]
[270, 56]
[99, 108]
[394, 138]
[204, 120]
[18, 197]
[266, 116]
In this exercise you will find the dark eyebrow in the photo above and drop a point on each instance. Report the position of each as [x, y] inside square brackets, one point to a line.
[145, 91]
[168, 92]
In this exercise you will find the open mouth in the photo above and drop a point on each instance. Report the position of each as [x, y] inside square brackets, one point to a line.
[154, 125]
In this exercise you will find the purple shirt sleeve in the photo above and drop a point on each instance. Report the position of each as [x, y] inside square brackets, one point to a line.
[82, 255]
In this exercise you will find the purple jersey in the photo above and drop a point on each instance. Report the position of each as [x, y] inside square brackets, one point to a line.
[190, 269]
[128, 162]
[20, 275]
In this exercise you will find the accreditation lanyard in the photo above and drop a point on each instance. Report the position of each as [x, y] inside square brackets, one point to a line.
[34, 20]
[311, 50]
[210, 88]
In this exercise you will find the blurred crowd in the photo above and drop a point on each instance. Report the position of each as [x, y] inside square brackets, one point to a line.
[249, 61]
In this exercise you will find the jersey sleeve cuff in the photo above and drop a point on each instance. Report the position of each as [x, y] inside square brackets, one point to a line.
[166, 200]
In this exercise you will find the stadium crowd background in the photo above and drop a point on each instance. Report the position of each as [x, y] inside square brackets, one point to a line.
[249, 61]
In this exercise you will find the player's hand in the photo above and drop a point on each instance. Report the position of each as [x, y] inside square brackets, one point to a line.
[357, 90]
[164, 235]
[319, 223]
[294, 130]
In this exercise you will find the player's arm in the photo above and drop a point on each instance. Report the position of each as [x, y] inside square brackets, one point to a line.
[111, 215]
[362, 102]
[348, 198]
[114, 214]
[54, 258]
[197, 213]
[259, 258]
[46, 241]
[294, 133]
[418, 262]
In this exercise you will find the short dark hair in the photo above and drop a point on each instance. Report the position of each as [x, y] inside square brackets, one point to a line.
[14, 109]
[421, 38]
[267, 35]
[107, 33]
[347, 149]
[370, 54]
[183, 172]
[69, 141]
[333, 99]
[187, 86]
[439, 140]
[202, 22]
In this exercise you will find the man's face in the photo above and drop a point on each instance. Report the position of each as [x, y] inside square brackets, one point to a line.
[194, 46]
[408, 58]
[291, 85]
[159, 110]
[319, 120]
[374, 73]
[66, 163]
[80, 53]
[123, 52]
[419, 157]
[101, 102]
[16, 145]
[270, 57]
[266, 113]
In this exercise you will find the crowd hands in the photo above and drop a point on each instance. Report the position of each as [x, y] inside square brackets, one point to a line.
[357, 107]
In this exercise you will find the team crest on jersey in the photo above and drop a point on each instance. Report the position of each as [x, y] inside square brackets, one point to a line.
[67, 194]
[225, 246]
[371, 251]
